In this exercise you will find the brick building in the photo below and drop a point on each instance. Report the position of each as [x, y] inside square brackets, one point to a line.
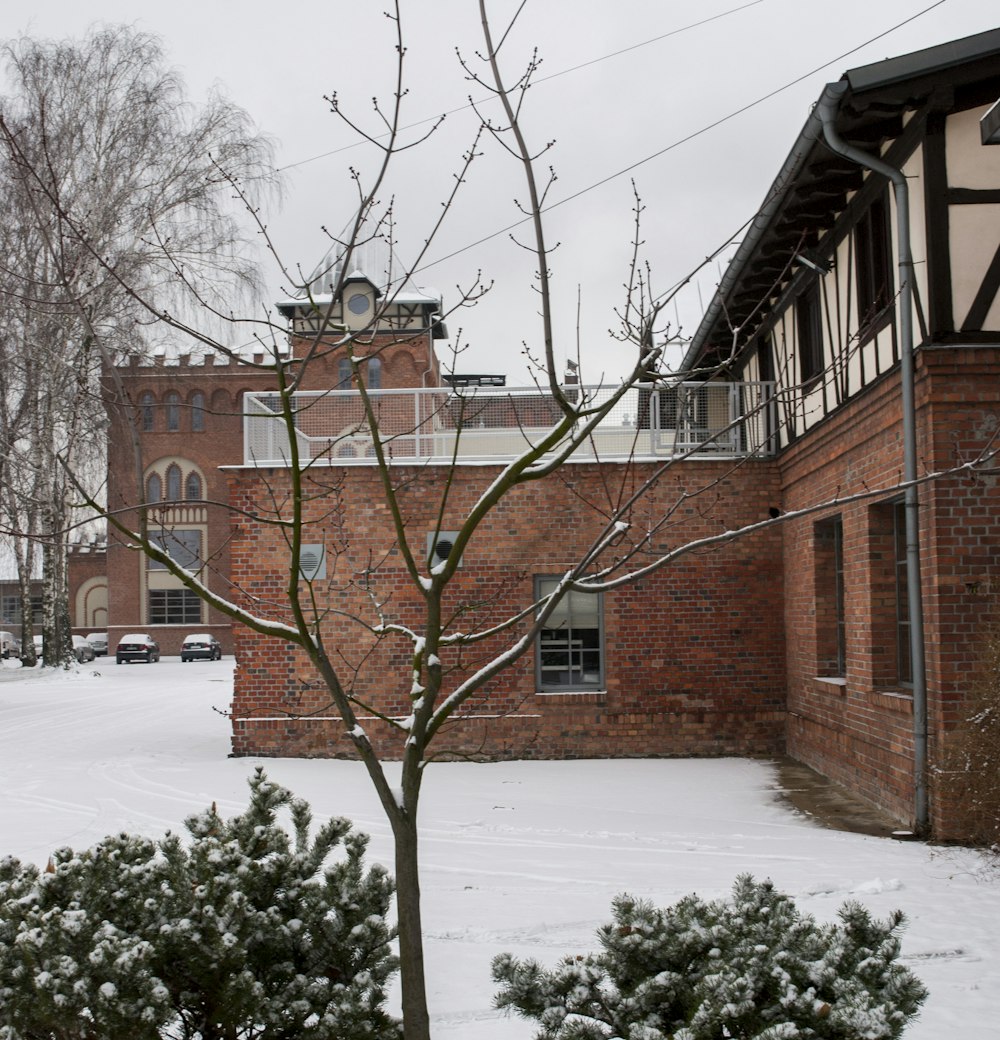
[796, 637]
[895, 156]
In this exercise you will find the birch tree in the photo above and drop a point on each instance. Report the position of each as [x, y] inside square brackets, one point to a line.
[115, 180]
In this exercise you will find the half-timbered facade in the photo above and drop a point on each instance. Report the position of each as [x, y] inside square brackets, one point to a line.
[869, 278]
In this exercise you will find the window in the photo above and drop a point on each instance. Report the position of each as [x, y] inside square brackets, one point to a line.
[873, 260]
[154, 488]
[147, 407]
[889, 608]
[809, 334]
[173, 483]
[343, 374]
[11, 608]
[192, 487]
[903, 663]
[831, 616]
[375, 373]
[174, 607]
[173, 402]
[570, 654]
[197, 412]
[183, 547]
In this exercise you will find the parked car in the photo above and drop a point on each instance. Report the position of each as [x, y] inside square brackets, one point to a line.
[201, 645]
[137, 646]
[99, 641]
[82, 650]
[8, 645]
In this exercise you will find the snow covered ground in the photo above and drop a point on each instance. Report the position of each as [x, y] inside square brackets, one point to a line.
[523, 857]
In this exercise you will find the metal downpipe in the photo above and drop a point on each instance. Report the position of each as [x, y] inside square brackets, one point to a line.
[827, 108]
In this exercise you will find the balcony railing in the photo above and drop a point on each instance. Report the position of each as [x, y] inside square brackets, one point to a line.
[492, 425]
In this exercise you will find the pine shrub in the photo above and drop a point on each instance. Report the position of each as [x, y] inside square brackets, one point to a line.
[749, 968]
[239, 932]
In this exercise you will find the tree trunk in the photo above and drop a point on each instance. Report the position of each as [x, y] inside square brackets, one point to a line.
[416, 1021]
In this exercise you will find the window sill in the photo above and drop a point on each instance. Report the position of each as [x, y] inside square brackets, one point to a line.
[577, 696]
[832, 680]
[894, 700]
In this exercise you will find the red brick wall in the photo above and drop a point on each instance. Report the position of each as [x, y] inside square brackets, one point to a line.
[860, 732]
[219, 444]
[694, 659]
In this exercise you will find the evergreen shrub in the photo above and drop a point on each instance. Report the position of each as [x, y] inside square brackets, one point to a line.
[749, 968]
[240, 931]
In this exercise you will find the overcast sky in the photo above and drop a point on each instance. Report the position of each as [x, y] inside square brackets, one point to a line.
[606, 112]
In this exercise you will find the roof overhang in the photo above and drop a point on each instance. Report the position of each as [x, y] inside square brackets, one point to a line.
[813, 186]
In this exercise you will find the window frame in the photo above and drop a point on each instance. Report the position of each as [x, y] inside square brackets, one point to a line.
[147, 411]
[904, 663]
[177, 607]
[830, 601]
[172, 406]
[809, 334]
[374, 367]
[344, 374]
[570, 685]
[197, 406]
[189, 542]
[873, 265]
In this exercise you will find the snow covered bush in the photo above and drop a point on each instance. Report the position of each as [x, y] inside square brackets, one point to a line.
[236, 933]
[751, 968]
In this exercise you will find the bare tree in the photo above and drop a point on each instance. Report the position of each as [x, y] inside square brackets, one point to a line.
[116, 180]
[447, 648]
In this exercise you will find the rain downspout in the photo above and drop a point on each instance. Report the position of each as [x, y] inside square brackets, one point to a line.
[827, 110]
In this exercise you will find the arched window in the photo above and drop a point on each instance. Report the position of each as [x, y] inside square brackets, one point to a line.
[173, 402]
[173, 483]
[374, 373]
[154, 488]
[197, 412]
[147, 406]
[192, 487]
[343, 374]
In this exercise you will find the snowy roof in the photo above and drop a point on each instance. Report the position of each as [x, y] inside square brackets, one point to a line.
[373, 261]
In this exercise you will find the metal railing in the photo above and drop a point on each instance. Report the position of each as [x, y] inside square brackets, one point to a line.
[490, 424]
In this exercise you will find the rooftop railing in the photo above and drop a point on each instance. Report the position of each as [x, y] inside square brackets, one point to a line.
[493, 425]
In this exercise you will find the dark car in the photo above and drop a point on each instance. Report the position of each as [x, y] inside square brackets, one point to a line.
[82, 650]
[200, 646]
[137, 646]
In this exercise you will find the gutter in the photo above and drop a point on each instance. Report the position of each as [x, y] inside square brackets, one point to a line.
[827, 109]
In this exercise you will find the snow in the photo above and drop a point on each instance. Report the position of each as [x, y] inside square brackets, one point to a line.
[519, 857]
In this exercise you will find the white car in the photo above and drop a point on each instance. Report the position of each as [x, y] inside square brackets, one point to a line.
[99, 641]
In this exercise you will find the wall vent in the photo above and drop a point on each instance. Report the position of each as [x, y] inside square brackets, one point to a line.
[312, 562]
[439, 547]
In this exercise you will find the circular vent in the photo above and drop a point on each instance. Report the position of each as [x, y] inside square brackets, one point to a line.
[310, 559]
[443, 547]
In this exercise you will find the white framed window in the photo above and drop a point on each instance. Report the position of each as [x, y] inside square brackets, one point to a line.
[569, 654]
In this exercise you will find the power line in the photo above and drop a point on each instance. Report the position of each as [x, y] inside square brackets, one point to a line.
[535, 81]
[684, 140]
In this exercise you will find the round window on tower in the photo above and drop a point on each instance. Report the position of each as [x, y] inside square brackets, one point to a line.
[358, 303]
